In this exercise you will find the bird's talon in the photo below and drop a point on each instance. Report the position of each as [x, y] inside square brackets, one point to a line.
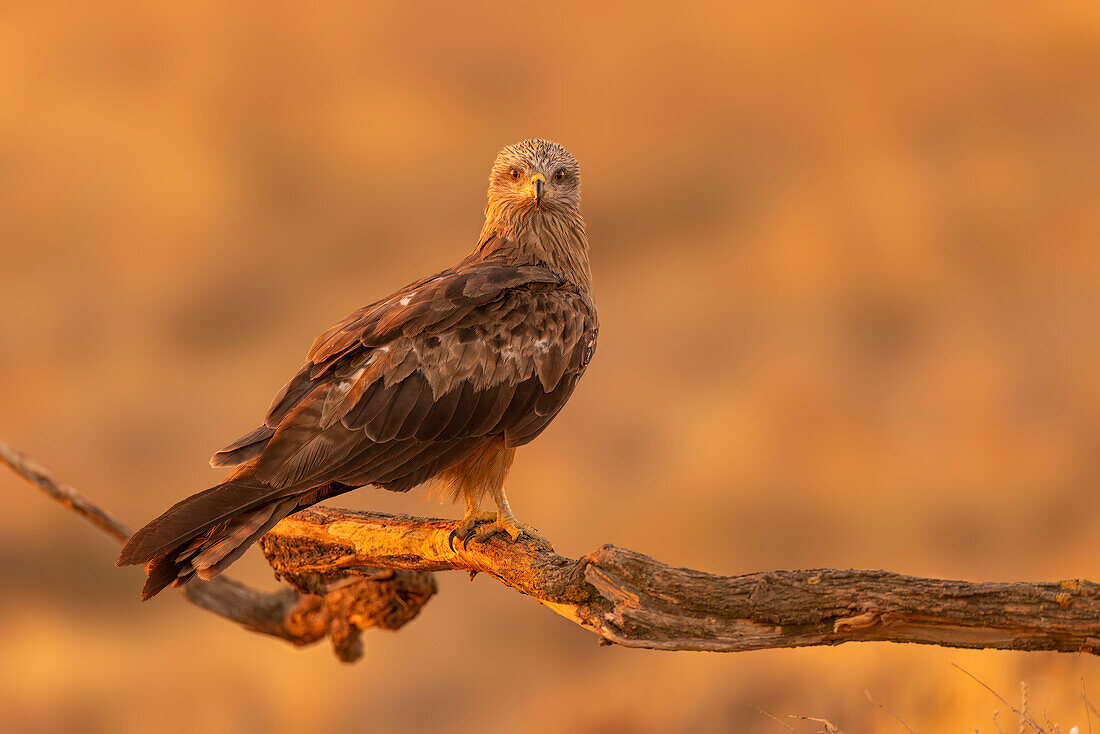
[452, 536]
[514, 529]
[465, 529]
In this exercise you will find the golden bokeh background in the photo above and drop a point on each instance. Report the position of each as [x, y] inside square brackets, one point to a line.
[847, 258]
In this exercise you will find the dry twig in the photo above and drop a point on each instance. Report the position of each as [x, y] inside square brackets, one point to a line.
[623, 596]
[340, 607]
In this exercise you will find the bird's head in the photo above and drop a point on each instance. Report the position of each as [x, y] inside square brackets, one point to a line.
[535, 176]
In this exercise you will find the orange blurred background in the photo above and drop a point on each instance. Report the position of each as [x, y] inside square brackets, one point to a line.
[847, 259]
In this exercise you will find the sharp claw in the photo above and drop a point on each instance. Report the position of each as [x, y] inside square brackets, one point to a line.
[468, 528]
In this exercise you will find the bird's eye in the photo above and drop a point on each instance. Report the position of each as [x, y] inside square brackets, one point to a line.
[560, 175]
[514, 173]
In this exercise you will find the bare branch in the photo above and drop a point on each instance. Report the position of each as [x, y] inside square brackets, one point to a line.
[631, 599]
[63, 493]
[339, 606]
[371, 569]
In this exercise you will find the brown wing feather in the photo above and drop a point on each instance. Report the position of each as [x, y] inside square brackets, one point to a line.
[405, 387]
[245, 448]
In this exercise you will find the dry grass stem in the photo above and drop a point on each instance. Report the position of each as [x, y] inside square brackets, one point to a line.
[888, 711]
[774, 718]
[830, 728]
[1023, 717]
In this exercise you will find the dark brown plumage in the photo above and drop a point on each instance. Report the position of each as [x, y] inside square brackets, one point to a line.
[440, 381]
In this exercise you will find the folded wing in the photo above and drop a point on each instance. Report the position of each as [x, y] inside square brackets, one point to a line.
[406, 387]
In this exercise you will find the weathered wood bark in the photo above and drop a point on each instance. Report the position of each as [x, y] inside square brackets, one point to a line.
[631, 599]
[353, 570]
[339, 607]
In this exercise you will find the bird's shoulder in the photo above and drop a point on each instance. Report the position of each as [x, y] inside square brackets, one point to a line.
[476, 298]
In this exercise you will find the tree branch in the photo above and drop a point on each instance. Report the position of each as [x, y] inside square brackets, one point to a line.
[63, 493]
[631, 599]
[339, 606]
[623, 596]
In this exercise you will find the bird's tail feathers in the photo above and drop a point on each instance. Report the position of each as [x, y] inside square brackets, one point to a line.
[205, 533]
[207, 555]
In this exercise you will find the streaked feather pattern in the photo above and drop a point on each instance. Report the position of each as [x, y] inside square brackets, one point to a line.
[482, 354]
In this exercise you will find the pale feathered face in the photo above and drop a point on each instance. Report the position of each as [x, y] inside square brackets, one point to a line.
[535, 175]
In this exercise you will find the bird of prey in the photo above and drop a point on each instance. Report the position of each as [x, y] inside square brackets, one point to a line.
[438, 382]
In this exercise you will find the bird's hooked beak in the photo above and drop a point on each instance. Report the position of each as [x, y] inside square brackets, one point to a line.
[538, 186]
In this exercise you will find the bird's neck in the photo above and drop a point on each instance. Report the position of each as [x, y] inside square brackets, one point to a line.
[553, 238]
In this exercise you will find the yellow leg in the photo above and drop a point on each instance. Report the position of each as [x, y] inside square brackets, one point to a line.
[470, 520]
[506, 522]
[482, 473]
